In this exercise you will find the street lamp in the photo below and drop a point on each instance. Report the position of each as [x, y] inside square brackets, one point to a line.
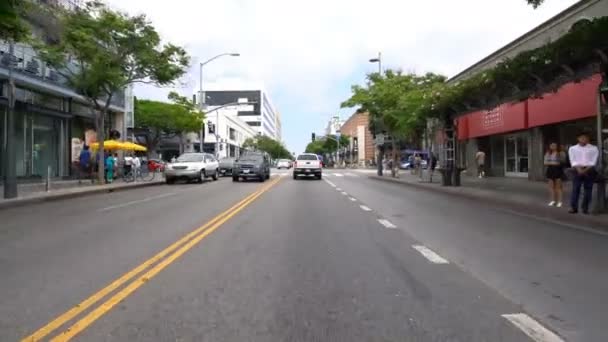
[379, 61]
[200, 83]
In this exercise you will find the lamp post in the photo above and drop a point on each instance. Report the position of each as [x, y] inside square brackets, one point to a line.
[202, 99]
[9, 148]
[380, 147]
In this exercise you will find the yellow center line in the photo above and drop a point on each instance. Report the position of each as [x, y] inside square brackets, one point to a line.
[76, 310]
[137, 283]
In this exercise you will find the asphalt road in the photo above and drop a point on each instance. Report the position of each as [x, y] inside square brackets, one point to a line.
[295, 261]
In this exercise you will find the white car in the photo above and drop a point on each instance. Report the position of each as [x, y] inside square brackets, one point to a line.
[192, 166]
[308, 164]
[284, 163]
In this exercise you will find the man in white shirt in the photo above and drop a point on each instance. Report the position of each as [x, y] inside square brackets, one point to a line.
[583, 158]
[136, 165]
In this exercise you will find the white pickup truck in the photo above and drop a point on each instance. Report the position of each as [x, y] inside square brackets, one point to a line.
[307, 164]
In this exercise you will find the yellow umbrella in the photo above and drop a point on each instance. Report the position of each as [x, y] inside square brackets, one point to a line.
[127, 145]
[108, 145]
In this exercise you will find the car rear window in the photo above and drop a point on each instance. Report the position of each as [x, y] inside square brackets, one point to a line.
[307, 157]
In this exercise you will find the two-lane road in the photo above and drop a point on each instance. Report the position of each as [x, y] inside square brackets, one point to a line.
[282, 260]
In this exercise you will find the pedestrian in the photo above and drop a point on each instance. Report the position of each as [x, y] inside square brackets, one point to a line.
[136, 166]
[583, 158]
[480, 159]
[555, 159]
[109, 168]
[417, 164]
[84, 164]
[128, 164]
[116, 165]
[433, 166]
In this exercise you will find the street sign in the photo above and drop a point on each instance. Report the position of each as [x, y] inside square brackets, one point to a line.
[380, 139]
[338, 135]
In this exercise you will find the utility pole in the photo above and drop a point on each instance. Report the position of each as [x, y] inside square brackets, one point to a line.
[10, 150]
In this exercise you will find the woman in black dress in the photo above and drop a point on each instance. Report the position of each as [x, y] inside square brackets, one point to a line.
[554, 160]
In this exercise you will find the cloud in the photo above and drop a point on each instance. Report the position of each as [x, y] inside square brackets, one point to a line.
[307, 53]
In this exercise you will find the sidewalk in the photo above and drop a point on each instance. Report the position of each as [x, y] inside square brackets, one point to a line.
[520, 195]
[36, 192]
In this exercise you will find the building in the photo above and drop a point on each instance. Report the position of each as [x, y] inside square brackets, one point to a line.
[262, 116]
[333, 126]
[361, 150]
[515, 135]
[52, 121]
[230, 132]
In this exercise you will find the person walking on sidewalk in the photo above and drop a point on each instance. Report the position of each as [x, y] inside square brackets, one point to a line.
[109, 168]
[554, 162]
[480, 159]
[84, 164]
[583, 158]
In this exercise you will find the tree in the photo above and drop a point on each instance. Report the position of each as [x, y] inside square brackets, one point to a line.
[275, 149]
[111, 50]
[164, 120]
[398, 104]
[12, 26]
[535, 3]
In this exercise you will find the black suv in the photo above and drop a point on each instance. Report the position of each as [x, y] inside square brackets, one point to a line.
[252, 165]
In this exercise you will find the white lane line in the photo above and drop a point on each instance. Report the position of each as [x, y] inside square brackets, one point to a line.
[350, 174]
[365, 208]
[430, 255]
[344, 193]
[338, 189]
[329, 182]
[147, 199]
[387, 223]
[532, 328]
[338, 175]
[352, 199]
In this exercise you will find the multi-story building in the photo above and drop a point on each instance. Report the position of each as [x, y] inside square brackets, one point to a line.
[262, 116]
[52, 121]
[230, 132]
[333, 126]
[515, 135]
[361, 150]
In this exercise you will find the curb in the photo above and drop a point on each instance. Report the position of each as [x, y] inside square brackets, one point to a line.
[592, 223]
[19, 202]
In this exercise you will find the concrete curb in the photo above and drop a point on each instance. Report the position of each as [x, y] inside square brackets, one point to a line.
[595, 223]
[18, 202]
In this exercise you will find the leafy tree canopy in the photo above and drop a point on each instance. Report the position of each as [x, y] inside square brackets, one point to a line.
[109, 50]
[163, 119]
[12, 25]
[535, 3]
[275, 149]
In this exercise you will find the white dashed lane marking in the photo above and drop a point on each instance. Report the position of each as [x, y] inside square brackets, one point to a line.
[126, 204]
[338, 189]
[352, 199]
[532, 328]
[338, 174]
[365, 208]
[330, 183]
[430, 255]
[387, 223]
[344, 193]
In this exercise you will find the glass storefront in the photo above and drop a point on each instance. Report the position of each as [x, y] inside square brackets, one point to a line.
[516, 155]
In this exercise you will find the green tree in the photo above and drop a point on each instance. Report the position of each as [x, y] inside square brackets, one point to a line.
[535, 3]
[398, 104]
[275, 149]
[163, 120]
[112, 50]
[12, 25]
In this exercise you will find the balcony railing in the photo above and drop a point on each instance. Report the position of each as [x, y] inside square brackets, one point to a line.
[26, 61]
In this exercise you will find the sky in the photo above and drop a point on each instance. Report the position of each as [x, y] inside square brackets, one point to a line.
[307, 54]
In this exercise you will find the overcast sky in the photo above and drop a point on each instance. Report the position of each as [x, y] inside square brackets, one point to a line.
[307, 54]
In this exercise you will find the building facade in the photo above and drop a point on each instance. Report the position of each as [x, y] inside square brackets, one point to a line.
[52, 121]
[515, 135]
[361, 150]
[230, 132]
[262, 116]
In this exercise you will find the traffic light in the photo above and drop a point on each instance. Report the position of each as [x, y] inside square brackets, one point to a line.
[313, 137]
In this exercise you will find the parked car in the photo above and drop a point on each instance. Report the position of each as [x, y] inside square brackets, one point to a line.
[308, 164]
[226, 166]
[250, 165]
[284, 163]
[192, 166]
[406, 165]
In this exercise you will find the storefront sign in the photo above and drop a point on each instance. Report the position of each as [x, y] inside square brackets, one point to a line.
[507, 117]
[492, 119]
[77, 145]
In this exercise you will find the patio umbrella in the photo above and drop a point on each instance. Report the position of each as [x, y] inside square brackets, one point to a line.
[108, 145]
[127, 145]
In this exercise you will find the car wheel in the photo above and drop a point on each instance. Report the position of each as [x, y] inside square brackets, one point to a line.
[202, 176]
[268, 175]
[294, 176]
[215, 177]
[261, 178]
[170, 180]
[319, 177]
[235, 178]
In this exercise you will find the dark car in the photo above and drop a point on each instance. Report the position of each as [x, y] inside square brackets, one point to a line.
[252, 165]
[226, 166]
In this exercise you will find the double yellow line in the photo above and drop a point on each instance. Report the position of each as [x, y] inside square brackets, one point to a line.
[160, 261]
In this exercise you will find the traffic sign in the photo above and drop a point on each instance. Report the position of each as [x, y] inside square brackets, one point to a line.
[380, 139]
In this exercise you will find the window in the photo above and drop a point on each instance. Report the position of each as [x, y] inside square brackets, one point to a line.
[307, 157]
